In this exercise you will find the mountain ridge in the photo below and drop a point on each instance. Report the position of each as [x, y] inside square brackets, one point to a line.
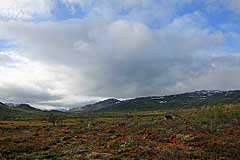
[150, 103]
[96, 106]
[11, 110]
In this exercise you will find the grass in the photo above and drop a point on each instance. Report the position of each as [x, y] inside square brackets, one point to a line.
[196, 133]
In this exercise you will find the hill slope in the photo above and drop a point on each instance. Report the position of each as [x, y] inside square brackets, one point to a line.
[191, 99]
[10, 110]
[14, 112]
[96, 106]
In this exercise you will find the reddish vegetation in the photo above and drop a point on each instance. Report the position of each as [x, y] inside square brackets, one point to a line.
[193, 134]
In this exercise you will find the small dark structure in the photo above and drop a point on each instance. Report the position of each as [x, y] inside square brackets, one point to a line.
[168, 117]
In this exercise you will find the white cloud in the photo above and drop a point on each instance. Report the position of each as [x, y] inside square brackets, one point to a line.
[120, 58]
[44, 86]
[25, 9]
[223, 74]
[28, 81]
[108, 53]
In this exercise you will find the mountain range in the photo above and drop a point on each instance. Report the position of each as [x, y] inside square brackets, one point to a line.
[11, 110]
[151, 103]
[185, 100]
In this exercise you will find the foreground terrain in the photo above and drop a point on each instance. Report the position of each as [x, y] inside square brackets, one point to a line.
[196, 133]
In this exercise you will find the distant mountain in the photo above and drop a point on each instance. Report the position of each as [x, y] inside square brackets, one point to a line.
[185, 100]
[191, 99]
[11, 104]
[26, 107]
[2, 104]
[96, 106]
[15, 112]
[56, 111]
[11, 110]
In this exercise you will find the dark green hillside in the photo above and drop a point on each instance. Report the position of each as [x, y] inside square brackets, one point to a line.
[24, 111]
[96, 106]
[186, 100]
[10, 112]
[27, 107]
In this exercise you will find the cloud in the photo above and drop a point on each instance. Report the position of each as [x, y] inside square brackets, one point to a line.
[128, 49]
[46, 86]
[222, 74]
[121, 58]
[27, 81]
[25, 9]
[152, 12]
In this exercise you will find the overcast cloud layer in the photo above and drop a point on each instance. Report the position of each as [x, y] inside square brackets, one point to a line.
[66, 53]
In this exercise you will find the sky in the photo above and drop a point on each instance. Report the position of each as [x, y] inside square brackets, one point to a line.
[57, 54]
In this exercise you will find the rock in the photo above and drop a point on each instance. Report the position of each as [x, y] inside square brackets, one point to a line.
[168, 117]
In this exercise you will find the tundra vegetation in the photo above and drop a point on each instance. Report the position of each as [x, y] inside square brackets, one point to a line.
[208, 132]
